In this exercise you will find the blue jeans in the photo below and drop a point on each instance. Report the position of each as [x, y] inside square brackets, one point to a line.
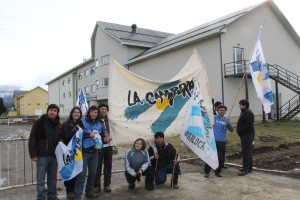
[90, 163]
[46, 165]
[161, 174]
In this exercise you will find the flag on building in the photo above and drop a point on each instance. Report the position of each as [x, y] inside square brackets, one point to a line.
[140, 107]
[260, 77]
[69, 158]
[81, 102]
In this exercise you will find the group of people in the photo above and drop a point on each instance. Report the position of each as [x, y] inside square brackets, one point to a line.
[47, 131]
[245, 130]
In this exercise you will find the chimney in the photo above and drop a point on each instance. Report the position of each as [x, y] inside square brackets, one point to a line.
[133, 28]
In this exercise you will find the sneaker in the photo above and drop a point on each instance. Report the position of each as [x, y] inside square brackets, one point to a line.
[131, 185]
[97, 189]
[91, 195]
[219, 175]
[206, 175]
[243, 173]
[107, 188]
[249, 170]
[175, 186]
[70, 195]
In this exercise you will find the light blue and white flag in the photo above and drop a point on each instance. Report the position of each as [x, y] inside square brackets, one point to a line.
[197, 132]
[260, 77]
[69, 158]
[81, 102]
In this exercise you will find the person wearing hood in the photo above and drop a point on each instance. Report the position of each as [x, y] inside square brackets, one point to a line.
[137, 164]
[44, 137]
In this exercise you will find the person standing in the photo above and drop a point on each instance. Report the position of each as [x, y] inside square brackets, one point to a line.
[216, 105]
[92, 129]
[137, 164]
[44, 137]
[105, 154]
[221, 124]
[245, 130]
[164, 160]
[69, 129]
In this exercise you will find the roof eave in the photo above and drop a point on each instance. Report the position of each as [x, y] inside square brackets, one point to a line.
[136, 44]
[186, 42]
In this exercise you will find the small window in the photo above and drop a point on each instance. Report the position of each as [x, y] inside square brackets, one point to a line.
[69, 94]
[38, 104]
[80, 75]
[97, 63]
[86, 73]
[104, 60]
[93, 70]
[87, 89]
[104, 82]
[29, 104]
[63, 82]
[69, 80]
[64, 95]
[93, 88]
[97, 84]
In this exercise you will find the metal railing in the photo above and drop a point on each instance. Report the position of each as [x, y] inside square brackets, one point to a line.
[16, 167]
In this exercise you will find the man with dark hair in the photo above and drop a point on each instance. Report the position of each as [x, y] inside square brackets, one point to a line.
[164, 160]
[245, 129]
[220, 126]
[216, 105]
[105, 154]
[44, 137]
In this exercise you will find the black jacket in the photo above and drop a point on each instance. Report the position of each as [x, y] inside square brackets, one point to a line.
[245, 124]
[44, 137]
[166, 152]
[69, 130]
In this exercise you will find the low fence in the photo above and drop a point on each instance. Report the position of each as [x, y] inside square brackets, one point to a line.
[17, 120]
[16, 167]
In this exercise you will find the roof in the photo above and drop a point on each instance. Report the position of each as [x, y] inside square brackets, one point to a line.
[207, 30]
[140, 38]
[85, 62]
[18, 93]
[26, 92]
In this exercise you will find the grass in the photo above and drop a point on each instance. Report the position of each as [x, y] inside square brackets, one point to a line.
[267, 134]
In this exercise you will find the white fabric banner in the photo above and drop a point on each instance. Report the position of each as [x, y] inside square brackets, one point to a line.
[197, 132]
[141, 107]
[260, 77]
[69, 158]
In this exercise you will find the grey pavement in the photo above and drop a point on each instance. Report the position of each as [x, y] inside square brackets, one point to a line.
[256, 185]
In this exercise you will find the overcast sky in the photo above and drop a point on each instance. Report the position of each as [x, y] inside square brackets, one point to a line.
[41, 39]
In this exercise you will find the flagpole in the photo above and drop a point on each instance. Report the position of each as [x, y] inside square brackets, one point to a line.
[238, 91]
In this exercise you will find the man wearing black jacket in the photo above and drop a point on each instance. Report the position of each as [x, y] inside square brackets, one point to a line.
[163, 157]
[245, 129]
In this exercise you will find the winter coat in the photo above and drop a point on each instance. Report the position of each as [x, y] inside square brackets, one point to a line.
[136, 160]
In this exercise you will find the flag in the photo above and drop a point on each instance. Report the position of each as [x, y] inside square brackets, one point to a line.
[140, 107]
[260, 77]
[197, 132]
[69, 158]
[81, 102]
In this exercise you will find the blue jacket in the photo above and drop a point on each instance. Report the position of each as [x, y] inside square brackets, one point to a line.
[136, 160]
[220, 128]
[88, 143]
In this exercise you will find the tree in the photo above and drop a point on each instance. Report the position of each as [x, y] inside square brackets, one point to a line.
[2, 107]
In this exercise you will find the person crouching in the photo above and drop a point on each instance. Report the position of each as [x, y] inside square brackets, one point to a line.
[137, 164]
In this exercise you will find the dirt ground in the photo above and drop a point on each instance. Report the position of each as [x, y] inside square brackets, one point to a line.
[285, 157]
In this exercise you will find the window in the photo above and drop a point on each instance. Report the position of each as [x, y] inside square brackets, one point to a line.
[104, 60]
[104, 82]
[87, 89]
[86, 72]
[93, 70]
[80, 75]
[97, 84]
[97, 63]
[38, 104]
[93, 88]
[69, 94]
[63, 82]
[29, 104]
[238, 60]
[64, 95]
[69, 80]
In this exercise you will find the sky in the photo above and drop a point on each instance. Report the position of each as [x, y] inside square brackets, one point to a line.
[41, 39]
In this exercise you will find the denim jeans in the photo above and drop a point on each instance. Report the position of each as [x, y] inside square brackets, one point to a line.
[161, 174]
[90, 163]
[106, 156]
[46, 165]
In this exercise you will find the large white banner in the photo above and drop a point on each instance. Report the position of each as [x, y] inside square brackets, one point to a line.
[141, 107]
[197, 132]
